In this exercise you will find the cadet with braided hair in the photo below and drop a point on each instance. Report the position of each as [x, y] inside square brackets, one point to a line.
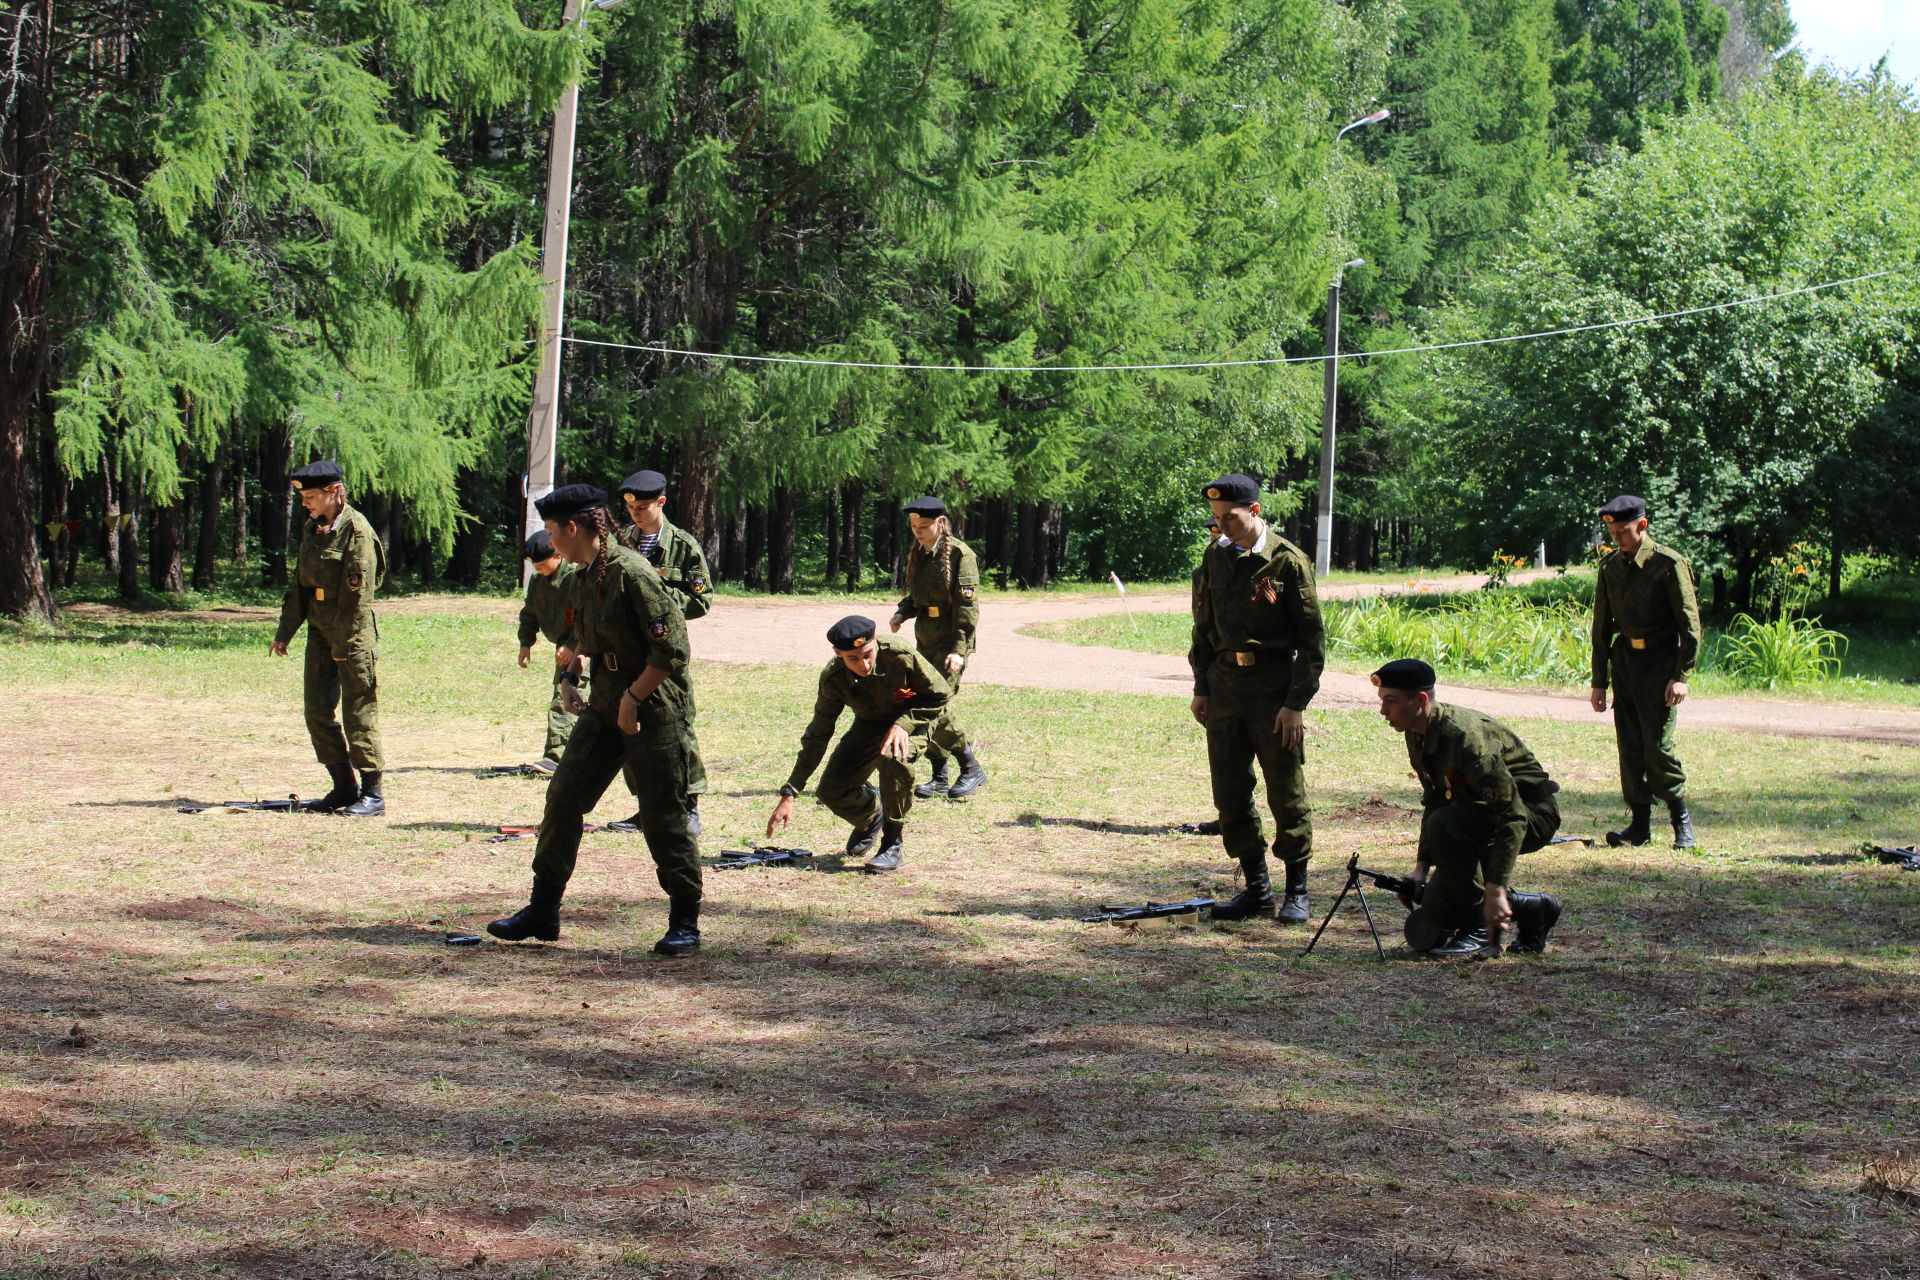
[943, 585]
[637, 716]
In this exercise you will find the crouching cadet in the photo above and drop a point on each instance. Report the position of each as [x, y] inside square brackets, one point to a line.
[896, 696]
[1486, 800]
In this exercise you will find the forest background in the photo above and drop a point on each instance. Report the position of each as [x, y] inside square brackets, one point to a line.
[240, 235]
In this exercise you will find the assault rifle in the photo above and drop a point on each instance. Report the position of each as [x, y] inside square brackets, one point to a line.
[1211, 827]
[507, 771]
[762, 856]
[1399, 886]
[1152, 911]
[1907, 859]
[292, 804]
[1392, 884]
[504, 834]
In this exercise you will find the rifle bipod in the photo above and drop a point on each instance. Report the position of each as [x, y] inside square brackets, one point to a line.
[1355, 873]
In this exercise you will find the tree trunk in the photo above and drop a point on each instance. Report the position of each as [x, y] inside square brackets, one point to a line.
[780, 540]
[110, 522]
[25, 336]
[211, 482]
[470, 544]
[276, 453]
[132, 495]
[1026, 569]
[756, 577]
[54, 496]
[1836, 558]
[833, 534]
[239, 500]
[168, 527]
[855, 533]
[1057, 542]
[733, 557]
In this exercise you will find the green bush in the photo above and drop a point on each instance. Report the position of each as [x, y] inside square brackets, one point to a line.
[1779, 653]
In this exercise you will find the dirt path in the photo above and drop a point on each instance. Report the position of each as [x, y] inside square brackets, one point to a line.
[773, 630]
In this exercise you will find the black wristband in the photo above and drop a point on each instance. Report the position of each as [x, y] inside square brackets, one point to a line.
[570, 676]
[788, 790]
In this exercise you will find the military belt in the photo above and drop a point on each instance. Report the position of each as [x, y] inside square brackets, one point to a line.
[1254, 657]
[1648, 642]
[614, 662]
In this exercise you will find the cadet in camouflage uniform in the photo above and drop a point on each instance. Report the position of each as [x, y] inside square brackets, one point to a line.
[1485, 800]
[545, 613]
[1257, 652]
[677, 557]
[943, 586]
[896, 697]
[341, 562]
[641, 701]
[1646, 635]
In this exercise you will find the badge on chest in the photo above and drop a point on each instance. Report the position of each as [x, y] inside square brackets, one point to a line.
[1266, 591]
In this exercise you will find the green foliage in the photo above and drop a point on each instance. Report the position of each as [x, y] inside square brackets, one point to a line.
[1782, 652]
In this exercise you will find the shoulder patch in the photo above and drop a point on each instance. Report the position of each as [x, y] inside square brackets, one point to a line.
[966, 593]
[353, 581]
[696, 585]
[659, 630]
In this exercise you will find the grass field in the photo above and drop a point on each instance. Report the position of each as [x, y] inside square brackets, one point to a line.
[235, 1044]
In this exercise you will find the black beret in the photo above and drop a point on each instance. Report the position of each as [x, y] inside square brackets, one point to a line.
[1235, 488]
[318, 475]
[644, 484]
[928, 506]
[1407, 674]
[570, 500]
[851, 633]
[538, 547]
[1625, 507]
[1213, 522]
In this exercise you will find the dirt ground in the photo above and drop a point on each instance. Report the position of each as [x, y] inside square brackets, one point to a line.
[238, 1045]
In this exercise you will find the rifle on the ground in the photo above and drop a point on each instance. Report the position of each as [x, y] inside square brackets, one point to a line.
[292, 804]
[504, 834]
[1152, 911]
[507, 771]
[1907, 859]
[1211, 827]
[762, 856]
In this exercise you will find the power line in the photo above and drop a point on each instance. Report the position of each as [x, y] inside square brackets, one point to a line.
[1232, 364]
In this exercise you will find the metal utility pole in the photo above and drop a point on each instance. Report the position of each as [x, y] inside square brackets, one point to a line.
[1323, 531]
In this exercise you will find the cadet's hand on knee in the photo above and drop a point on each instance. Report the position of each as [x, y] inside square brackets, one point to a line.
[1676, 692]
[896, 746]
[1290, 727]
[1200, 708]
[526, 652]
[1598, 699]
[278, 649]
[781, 816]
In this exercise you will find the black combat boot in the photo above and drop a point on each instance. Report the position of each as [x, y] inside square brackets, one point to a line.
[972, 776]
[683, 929]
[345, 791]
[626, 826]
[892, 848]
[862, 837]
[693, 814]
[1469, 942]
[1254, 900]
[1534, 915]
[1638, 831]
[936, 785]
[540, 918]
[1293, 907]
[371, 803]
[1682, 824]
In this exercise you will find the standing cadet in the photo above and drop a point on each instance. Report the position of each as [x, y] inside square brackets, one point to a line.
[545, 613]
[943, 583]
[1257, 651]
[341, 563]
[1485, 800]
[677, 557]
[896, 697]
[1646, 634]
[637, 716]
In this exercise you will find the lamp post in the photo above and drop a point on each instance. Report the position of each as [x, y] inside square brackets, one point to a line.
[1323, 530]
[543, 422]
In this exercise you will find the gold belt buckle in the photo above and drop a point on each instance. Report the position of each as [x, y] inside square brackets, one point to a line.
[1242, 658]
[611, 661]
[1638, 642]
[319, 593]
[933, 611]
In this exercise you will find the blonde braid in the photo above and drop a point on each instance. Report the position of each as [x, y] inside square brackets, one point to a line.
[602, 527]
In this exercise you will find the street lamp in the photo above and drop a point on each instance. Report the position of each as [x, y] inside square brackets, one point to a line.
[1323, 531]
[543, 423]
